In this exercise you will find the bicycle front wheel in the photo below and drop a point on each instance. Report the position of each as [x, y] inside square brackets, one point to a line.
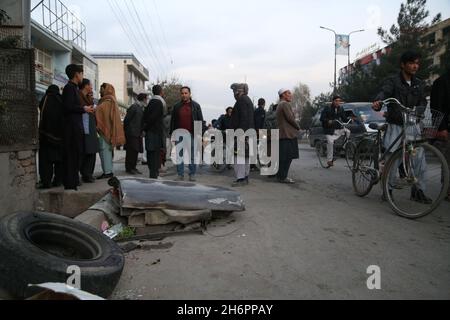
[416, 182]
[364, 175]
[350, 150]
[321, 151]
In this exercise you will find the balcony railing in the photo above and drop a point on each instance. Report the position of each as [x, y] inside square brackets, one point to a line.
[134, 87]
[43, 76]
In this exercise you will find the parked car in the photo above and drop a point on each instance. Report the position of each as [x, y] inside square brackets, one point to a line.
[365, 116]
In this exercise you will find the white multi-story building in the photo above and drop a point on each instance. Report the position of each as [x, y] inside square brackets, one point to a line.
[125, 73]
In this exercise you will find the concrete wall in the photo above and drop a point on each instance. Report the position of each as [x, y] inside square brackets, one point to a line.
[18, 169]
[17, 182]
[113, 71]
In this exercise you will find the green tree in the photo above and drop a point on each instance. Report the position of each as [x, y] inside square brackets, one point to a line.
[311, 108]
[171, 89]
[407, 34]
[301, 98]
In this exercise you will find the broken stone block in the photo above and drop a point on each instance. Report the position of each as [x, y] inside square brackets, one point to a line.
[94, 218]
[137, 221]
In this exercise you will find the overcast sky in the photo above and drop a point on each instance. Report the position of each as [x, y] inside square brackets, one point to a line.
[211, 44]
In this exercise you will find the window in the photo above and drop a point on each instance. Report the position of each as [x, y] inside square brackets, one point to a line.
[43, 60]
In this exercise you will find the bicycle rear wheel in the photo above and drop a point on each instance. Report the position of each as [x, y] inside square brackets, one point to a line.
[364, 175]
[321, 151]
[425, 185]
[350, 150]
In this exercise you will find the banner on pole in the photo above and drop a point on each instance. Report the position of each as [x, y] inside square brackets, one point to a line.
[342, 44]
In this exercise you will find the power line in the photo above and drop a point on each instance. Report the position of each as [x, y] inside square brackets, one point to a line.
[126, 30]
[147, 40]
[163, 31]
[149, 55]
[158, 34]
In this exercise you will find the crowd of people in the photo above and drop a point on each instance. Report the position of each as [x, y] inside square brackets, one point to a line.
[73, 130]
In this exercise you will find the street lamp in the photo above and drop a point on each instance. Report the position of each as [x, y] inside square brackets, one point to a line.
[335, 52]
[349, 44]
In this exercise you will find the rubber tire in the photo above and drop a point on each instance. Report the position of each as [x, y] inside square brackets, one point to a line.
[23, 263]
[437, 203]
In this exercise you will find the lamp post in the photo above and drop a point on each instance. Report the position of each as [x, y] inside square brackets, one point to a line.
[335, 56]
[335, 52]
[349, 44]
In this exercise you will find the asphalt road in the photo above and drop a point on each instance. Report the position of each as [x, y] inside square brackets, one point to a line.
[312, 240]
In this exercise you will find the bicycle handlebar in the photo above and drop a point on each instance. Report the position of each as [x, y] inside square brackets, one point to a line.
[343, 124]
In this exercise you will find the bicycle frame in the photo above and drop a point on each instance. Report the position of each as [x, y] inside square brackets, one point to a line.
[390, 150]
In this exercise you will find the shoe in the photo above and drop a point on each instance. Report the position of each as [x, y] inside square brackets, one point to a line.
[105, 176]
[192, 179]
[88, 180]
[179, 178]
[42, 186]
[287, 181]
[419, 196]
[131, 172]
[240, 183]
[56, 184]
[330, 164]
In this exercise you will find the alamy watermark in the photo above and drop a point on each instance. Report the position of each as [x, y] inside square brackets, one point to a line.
[374, 281]
[227, 148]
[74, 279]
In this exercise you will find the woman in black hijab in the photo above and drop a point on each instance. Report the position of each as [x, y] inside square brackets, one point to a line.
[51, 139]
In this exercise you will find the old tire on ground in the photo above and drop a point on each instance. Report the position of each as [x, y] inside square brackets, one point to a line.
[38, 248]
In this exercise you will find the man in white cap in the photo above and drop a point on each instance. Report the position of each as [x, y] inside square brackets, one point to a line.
[288, 135]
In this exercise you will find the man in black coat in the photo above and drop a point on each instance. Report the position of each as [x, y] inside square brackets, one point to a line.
[133, 133]
[73, 127]
[260, 115]
[153, 126]
[242, 118]
[410, 91]
[440, 101]
[332, 129]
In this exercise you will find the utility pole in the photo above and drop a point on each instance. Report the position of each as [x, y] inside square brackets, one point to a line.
[335, 58]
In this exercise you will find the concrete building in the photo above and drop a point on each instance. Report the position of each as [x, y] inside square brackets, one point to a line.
[438, 33]
[57, 48]
[125, 73]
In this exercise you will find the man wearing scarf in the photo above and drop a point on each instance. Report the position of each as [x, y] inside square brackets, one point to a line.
[153, 125]
[109, 127]
[51, 133]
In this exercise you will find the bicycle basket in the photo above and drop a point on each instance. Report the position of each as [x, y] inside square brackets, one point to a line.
[423, 126]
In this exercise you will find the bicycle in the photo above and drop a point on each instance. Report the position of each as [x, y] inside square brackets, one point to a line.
[408, 163]
[347, 146]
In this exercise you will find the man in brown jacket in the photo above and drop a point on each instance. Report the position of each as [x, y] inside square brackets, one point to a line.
[288, 135]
